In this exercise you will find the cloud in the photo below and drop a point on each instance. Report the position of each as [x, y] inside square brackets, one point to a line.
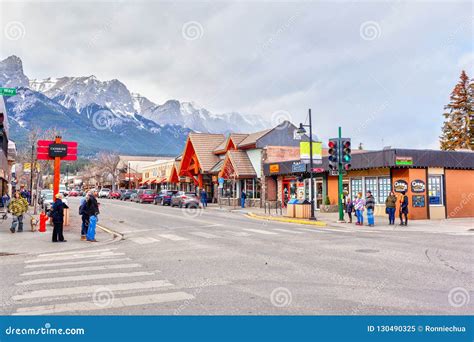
[261, 57]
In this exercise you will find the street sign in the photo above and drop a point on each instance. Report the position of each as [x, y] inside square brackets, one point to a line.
[57, 150]
[336, 172]
[43, 150]
[318, 169]
[7, 91]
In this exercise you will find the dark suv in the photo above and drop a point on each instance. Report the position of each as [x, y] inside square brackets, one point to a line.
[164, 197]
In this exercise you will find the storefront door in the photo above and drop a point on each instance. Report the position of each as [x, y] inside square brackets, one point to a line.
[318, 189]
[289, 190]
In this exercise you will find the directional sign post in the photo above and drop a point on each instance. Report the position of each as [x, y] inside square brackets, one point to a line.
[56, 150]
[7, 91]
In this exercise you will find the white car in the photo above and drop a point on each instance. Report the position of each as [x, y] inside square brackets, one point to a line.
[48, 201]
[104, 193]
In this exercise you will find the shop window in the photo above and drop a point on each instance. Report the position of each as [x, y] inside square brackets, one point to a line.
[384, 189]
[356, 187]
[371, 185]
[435, 190]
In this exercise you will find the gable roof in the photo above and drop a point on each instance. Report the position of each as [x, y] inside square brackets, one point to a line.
[240, 163]
[236, 139]
[204, 145]
[253, 137]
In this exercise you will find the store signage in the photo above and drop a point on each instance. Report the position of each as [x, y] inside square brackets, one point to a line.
[318, 169]
[274, 168]
[48, 150]
[400, 186]
[221, 180]
[317, 152]
[298, 167]
[417, 185]
[418, 201]
[404, 161]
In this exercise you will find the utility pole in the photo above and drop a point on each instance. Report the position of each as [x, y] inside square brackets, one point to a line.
[32, 167]
[129, 177]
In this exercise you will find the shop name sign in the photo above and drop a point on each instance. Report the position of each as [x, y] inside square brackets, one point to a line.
[404, 161]
[417, 185]
[57, 150]
[274, 168]
[400, 186]
[298, 167]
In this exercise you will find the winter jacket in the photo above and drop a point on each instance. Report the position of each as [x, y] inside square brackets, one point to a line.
[349, 207]
[359, 204]
[404, 204]
[370, 202]
[92, 207]
[57, 211]
[391, 201]
[18, 206]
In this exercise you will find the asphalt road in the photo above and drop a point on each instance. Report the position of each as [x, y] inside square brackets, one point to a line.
[203, 262]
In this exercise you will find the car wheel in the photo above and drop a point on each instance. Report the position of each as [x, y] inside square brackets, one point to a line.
[162, 202]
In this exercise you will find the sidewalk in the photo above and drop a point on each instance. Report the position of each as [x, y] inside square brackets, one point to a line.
[29, 242]
[462, 225]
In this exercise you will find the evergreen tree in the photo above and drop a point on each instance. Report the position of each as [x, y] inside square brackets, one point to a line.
[456, 131]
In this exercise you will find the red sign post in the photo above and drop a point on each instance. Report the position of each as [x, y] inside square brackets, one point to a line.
[56, 150]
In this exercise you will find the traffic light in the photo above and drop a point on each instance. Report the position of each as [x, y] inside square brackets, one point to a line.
[346, 153]
[333, 154]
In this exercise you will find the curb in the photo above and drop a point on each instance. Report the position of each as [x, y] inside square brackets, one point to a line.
[287, 220]
[117, 236]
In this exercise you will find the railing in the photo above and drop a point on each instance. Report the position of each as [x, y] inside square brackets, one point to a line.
[269, 206]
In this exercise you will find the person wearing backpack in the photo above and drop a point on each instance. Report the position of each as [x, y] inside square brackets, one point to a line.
[92, 211]
[85, 219]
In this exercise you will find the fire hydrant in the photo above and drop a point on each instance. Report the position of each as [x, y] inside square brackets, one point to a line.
[43, 218]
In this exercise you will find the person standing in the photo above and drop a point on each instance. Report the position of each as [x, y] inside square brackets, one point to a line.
[18, 206]
[57, 215]
[92, 211]
[404, 209]
[85, 218]
[359, 204]
[204, 198]
[370, 205]
[243, 196]
[390, 205]
[349, 208]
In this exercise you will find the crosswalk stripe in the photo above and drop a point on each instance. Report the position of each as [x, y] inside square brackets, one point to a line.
[237, 233]
[205, 235]
[82, 269]
[312, 230]
[259, 231]
[75, 257]
[80, 262]
[84, 277]
[114, 303]
[75, 252]
[287, 231]
[144, 240]
[67, 291]
[172, 237]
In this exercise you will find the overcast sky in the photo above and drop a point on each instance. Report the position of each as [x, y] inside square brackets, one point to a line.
[382, 70]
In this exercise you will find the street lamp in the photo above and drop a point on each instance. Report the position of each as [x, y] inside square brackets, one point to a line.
[301, 131]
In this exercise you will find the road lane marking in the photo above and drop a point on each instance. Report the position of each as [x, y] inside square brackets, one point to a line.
[172, 237]
[287, 231]
[84, 277]
[259, 231]
[80, 262]
[114, 303]
[75, 252]
[67, 291]
[83, 269]
[143, 240]
[312, 230]
[237, 233]
[75, 257]
[205, 235]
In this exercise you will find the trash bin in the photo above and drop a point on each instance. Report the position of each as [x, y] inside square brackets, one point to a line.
[303, 209]
[291, 207]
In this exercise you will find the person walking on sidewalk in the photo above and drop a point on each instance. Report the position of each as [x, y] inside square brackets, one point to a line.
[404, 209]
[204, 198]
[370, 205]
[57, 214]
[18, 207]
[243, 196]
[390, 205]
[92, 211]
[349, 208]
[359, 204]
[85, 219]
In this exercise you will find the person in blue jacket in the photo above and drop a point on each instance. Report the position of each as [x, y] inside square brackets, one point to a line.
[57, 215]
[204, 198]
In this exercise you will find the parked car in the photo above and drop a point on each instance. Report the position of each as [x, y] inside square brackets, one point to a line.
[164, 197]
[146, 196]
[126, 194]
[42, 195]
[48, 201]
[104, 192]
[114, 194]
[185, 199]
[74, 193]
[133, 196]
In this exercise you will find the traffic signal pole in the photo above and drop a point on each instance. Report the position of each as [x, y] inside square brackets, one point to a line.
[339, 168]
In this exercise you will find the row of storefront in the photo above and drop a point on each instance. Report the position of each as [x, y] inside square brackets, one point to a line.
[266, 166]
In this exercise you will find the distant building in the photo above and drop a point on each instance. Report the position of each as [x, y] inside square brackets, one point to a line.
[5, 171]
[131, 169]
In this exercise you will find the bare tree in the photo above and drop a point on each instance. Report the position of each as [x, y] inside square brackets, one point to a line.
[108, 164]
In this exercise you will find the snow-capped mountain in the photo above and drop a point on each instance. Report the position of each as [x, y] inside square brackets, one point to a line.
[11, 73]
